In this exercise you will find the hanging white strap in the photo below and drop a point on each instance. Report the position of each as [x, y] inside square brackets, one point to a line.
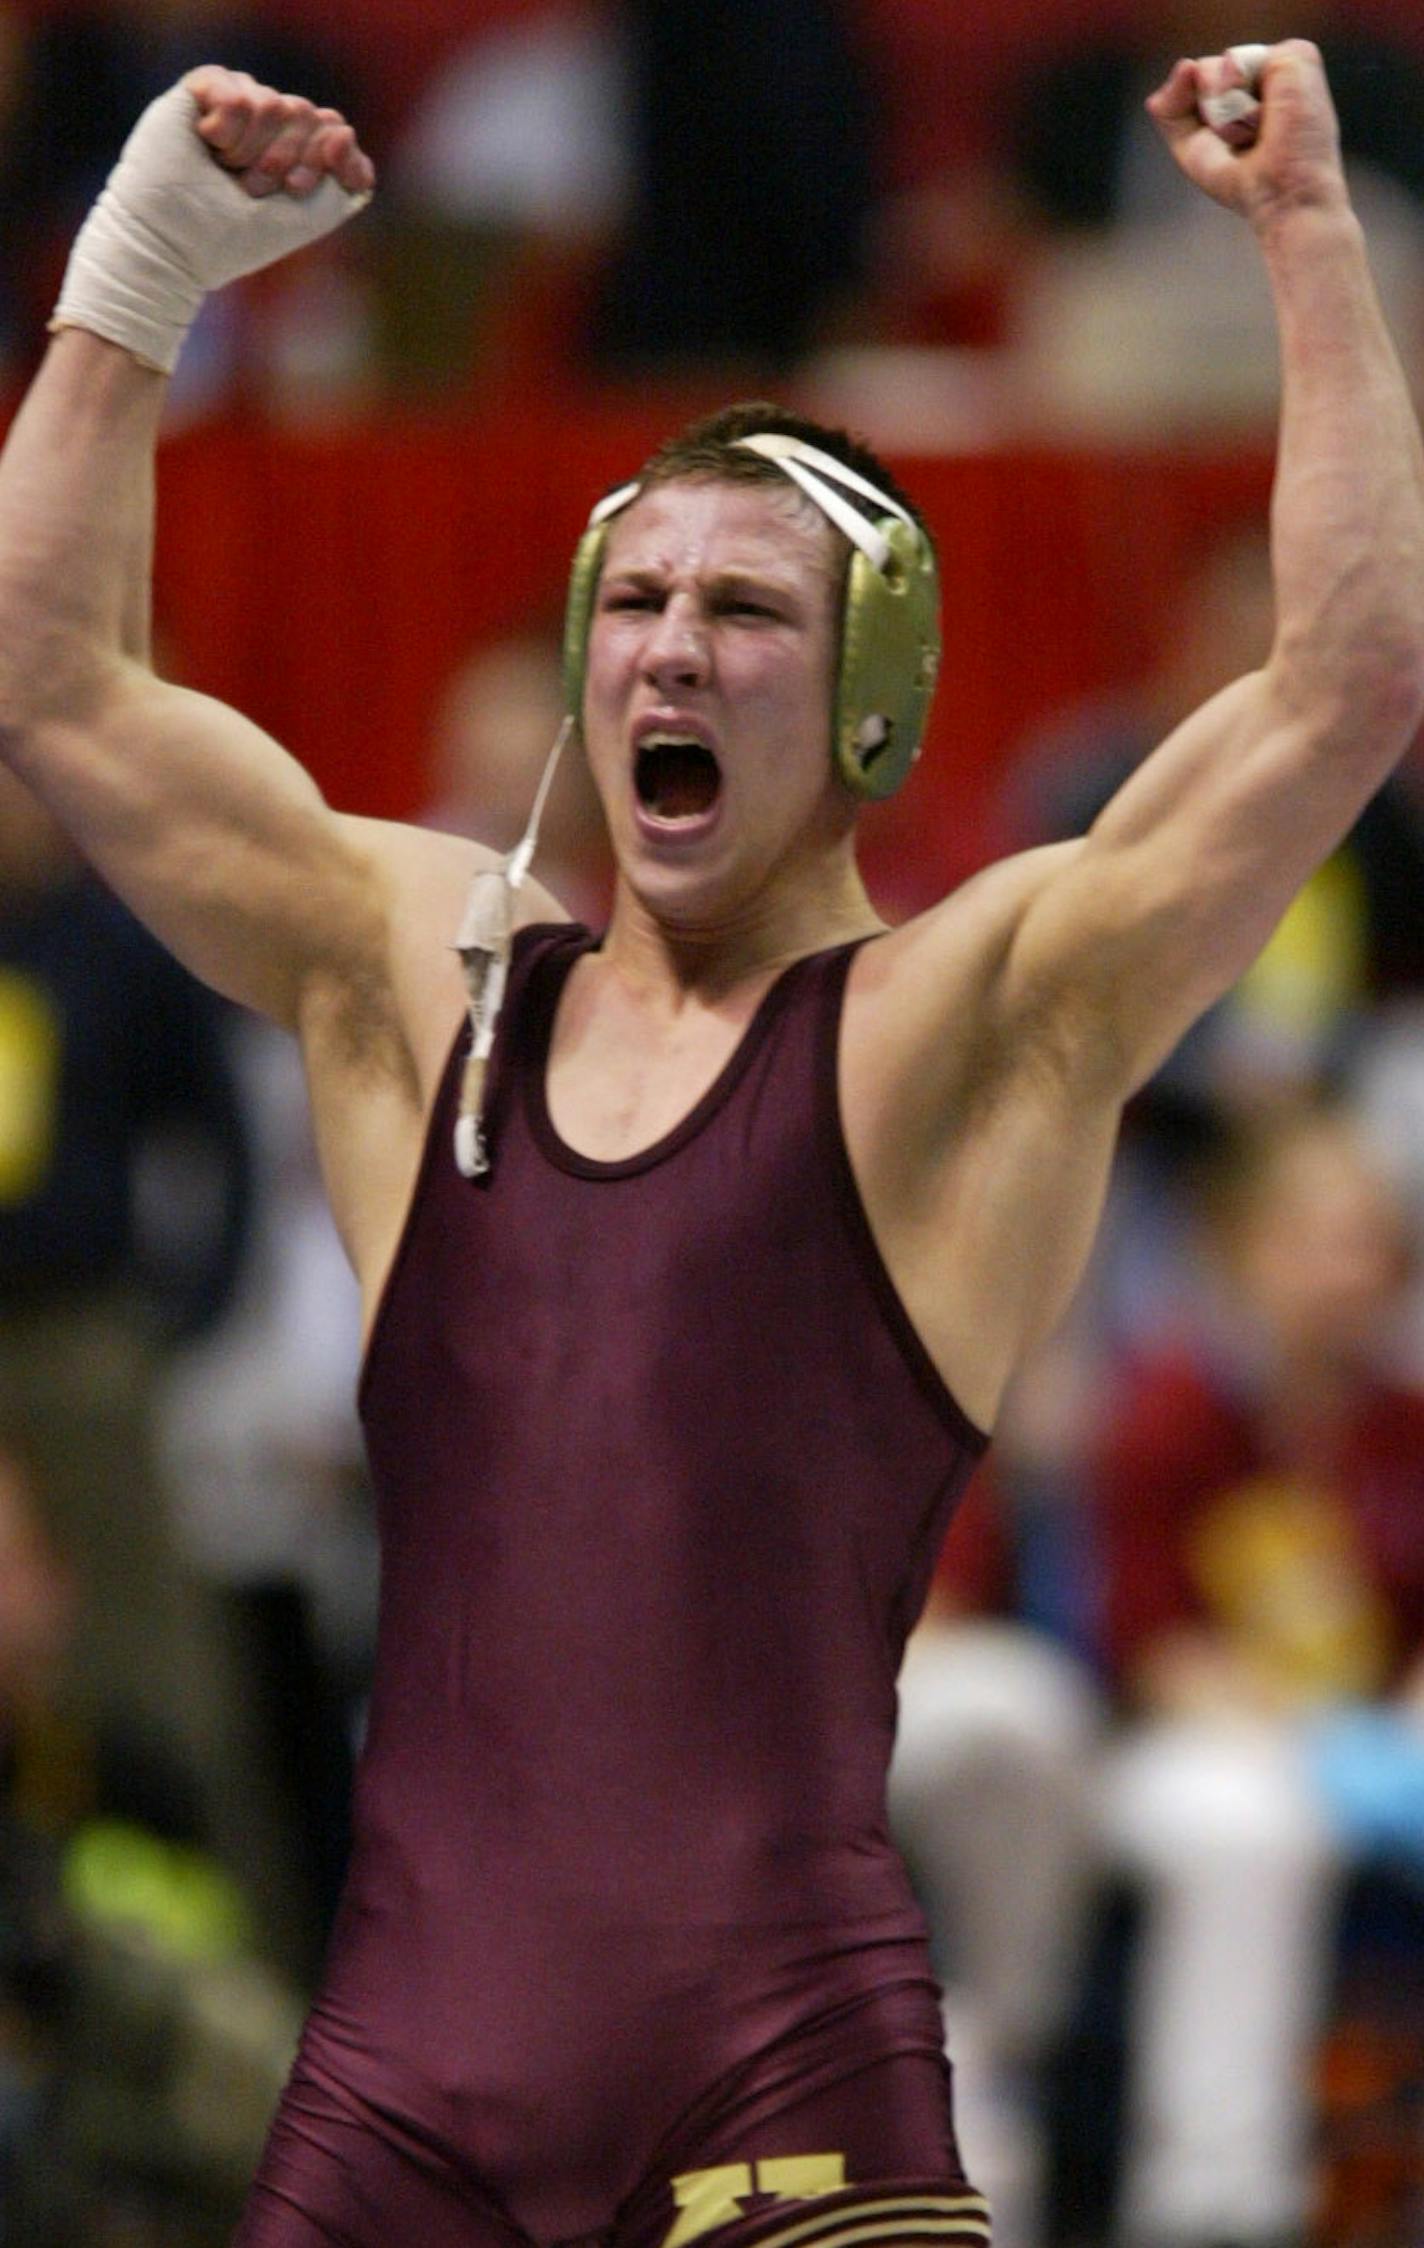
[484, 942]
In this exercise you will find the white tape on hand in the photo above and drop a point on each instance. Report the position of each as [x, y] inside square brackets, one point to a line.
[173, 223]
[1237, 110]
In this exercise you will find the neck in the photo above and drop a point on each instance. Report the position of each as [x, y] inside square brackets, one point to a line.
[760, 934]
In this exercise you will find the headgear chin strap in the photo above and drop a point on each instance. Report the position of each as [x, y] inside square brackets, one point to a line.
[889, 637]
[484, 943]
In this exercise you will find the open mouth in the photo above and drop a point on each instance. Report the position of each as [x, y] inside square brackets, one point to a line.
[676, 778]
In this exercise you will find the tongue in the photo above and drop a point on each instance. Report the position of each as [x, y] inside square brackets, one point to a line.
[679, 783]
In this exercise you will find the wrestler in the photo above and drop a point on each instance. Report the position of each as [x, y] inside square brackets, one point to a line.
[695, 1272]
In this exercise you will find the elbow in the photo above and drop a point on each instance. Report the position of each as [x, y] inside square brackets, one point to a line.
[1370, 697]
[1389, 698]
[1411, 682]
[48, 676]
[30, 686]
[1390, 658]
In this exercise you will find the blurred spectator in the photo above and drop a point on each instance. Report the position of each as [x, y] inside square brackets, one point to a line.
[524, 128]
[124, 1198]
[1259, 1491]
[141, 2043]
[262, 1453]
[752, 186]
[1138, 310]
[81, 77]
[505, 187]
[990, 1798]
[497, 722]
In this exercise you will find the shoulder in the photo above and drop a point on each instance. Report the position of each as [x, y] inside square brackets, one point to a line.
[970, 932]
[429, 871]
[940, 989]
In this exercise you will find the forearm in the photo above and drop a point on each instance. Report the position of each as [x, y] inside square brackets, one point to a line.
[1348, 507]
[76, 533]
[218, 178]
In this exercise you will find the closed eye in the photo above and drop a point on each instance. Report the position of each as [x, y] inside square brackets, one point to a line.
[630, 600]
[740, 607]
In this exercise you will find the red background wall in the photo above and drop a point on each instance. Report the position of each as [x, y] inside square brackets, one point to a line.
[326, 583]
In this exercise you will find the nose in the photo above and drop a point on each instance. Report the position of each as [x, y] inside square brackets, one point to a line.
[676, 652]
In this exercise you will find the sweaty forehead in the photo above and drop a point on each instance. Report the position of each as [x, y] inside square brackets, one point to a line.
[704, 525]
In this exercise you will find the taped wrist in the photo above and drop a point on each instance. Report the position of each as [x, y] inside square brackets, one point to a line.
[171, 224]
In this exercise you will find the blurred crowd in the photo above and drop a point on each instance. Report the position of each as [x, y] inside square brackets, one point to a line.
[840, 193]
[1161, 1772]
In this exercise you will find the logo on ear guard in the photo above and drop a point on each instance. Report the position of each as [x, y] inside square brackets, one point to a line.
[872, 738]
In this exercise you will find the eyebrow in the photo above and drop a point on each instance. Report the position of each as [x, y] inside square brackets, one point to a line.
[749, 578]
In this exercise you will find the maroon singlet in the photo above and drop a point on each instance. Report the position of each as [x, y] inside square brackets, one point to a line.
[662, 1470]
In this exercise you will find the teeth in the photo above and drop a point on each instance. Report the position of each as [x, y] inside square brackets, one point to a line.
[676, 775]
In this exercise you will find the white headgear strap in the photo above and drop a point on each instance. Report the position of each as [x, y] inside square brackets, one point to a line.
[809, 467]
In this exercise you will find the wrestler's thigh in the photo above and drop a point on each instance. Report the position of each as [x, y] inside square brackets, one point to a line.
[869, 2156]
[348, 2188]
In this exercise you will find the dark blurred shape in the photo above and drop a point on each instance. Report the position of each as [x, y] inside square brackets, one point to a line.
[1072, 140]
[752, 144]
[124, 1207]
[123, 1147]
[81, 78]
[141, 2044]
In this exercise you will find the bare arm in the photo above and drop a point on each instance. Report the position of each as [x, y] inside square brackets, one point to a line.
[212, 833]
[991, 1044]
[216, 837]
[338, 928]
[1189, 868]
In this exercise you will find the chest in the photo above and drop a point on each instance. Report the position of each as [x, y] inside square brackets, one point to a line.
[621, 1077]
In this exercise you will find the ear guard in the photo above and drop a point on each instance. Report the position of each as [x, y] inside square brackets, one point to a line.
[889, 662]
[889, 637]
[583, 586]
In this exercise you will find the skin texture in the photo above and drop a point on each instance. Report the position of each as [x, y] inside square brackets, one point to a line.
[987, 1046]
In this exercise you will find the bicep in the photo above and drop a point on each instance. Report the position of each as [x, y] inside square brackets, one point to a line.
[213, 836]
[1181, 880]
